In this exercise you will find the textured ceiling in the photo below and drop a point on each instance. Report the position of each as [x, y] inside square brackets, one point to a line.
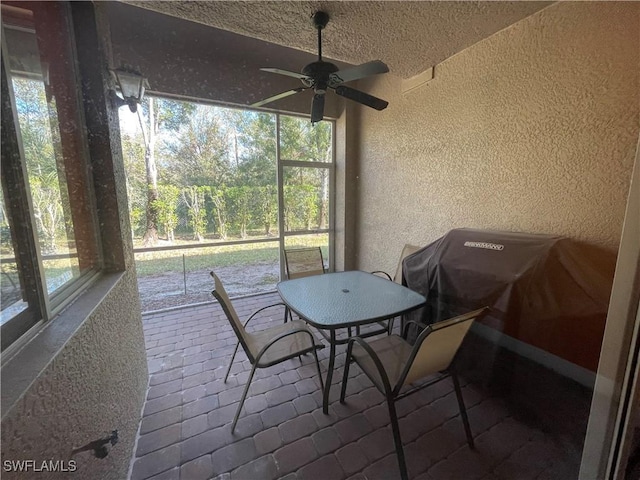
[409, 36]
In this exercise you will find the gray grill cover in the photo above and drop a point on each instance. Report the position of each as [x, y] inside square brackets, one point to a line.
[547, 291]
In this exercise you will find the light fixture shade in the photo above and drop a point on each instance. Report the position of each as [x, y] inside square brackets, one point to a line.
[132, 86]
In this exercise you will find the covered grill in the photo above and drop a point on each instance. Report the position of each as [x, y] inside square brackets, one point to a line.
[547, 291]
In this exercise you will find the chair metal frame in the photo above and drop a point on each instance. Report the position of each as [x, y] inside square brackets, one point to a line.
[393, 393]
[407, 250]
[229, 311]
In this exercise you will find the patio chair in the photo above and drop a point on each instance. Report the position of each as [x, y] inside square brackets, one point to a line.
[268, 347]
[406, 251]
[393, 365]
[303, 262]
[397, 277]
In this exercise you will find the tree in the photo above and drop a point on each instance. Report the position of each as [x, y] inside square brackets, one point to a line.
[218, 197]
[200, 148]
[133, 151]
[301, 141]
[166, 206]
[301, 208]
[266, 206]
[194, 199]
[48, 212]
[39, 141]
[235, 125]
[258, 141]
[240, 203]
[320, 143]
[256, 169]
[224, 163]
[155, 115]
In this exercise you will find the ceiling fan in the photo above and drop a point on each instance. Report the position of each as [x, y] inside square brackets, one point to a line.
[322, 76]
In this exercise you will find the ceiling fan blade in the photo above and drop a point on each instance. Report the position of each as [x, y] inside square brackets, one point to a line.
[374, 67]
[284, 72]
[317, 107]
[278, 96]
[361, 97]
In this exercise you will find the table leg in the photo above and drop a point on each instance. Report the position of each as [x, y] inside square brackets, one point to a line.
[327, 385]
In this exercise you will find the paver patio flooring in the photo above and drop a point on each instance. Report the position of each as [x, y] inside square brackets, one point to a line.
[282, 432]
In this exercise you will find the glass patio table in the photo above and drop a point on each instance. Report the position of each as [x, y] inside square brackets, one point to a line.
[333, 301]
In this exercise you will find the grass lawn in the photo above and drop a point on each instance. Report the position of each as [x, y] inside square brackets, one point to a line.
[166, 261]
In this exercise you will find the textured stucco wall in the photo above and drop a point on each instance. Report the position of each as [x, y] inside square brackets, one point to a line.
[94, 385]
[533, 129]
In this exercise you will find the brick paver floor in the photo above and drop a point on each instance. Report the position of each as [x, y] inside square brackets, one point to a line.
[282, 432]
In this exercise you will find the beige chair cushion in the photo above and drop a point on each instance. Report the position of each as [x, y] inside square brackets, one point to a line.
[393, 351]
[303, 262]
[291, 345]
[438, 350]
[433, 355]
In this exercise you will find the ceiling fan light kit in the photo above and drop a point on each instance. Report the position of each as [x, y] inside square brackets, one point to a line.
[322, 76]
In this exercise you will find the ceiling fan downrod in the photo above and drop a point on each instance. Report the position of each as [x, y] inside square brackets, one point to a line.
[320, 20]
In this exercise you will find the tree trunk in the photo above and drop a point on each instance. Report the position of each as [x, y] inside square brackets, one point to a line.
[150, 237]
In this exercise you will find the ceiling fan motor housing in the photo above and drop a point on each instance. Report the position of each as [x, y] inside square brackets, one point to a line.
[320, 19]
[318, 74]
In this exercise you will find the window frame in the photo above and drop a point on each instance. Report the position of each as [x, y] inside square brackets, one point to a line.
[282, 163]
[20, 214]
[42, 306]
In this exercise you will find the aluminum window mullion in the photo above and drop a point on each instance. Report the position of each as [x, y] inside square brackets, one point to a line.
[332, 193]
[304, 164]
[279, 180]
[298, 233]
[25, 232]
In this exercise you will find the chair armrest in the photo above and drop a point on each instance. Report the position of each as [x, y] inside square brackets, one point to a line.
[376, 362]
[417, 324]
[261, 309]
[382, 274]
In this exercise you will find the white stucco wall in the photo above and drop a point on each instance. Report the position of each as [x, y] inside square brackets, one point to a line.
[532, 129]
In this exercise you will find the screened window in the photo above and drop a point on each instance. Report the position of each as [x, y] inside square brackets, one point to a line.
[48, 237]
[212, 187]
[306, 160]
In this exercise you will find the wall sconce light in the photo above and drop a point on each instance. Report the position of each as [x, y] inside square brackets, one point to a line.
[131, 85]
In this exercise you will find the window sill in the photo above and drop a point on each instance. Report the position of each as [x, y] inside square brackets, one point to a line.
[23, 367]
